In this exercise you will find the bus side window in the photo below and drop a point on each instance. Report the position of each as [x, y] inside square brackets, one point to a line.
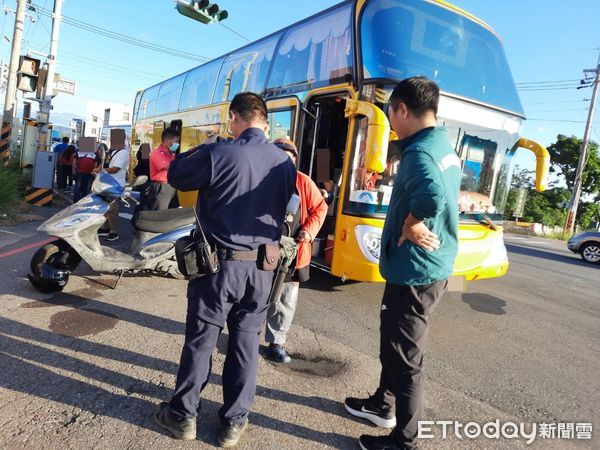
[281, 124]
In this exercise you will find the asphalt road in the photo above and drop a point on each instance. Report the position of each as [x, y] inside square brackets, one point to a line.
[83, 368]
[527, 343]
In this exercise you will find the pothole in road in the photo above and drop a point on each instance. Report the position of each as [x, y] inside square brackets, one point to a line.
[82, 322]
[308, 365]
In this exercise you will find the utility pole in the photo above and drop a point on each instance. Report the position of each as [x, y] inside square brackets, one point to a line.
[576, 193]
[10, 102]
[46, 106]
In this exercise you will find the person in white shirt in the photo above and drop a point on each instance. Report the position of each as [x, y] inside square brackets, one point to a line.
[118, 163]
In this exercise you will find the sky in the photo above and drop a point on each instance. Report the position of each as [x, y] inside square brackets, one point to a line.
[548, 44]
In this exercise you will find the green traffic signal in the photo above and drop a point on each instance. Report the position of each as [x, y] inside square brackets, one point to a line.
[202, 11]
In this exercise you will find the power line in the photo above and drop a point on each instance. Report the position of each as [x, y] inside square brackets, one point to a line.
[553, 103]
[100, 65]
[558, 88]
[109, 72]
[125, 38]
[560, 120]
[234, 32]
[546, 82]
[559, 110]
[87, 5]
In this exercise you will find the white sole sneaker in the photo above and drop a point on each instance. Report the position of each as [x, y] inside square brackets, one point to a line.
[372, 417]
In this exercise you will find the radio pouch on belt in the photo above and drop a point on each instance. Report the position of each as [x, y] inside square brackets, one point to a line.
[194, 254]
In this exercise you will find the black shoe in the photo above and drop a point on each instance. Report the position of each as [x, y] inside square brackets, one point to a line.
[278, 354]
[103, 232]
[367, 409]
[111, 237]
[180, 428]
[230, 434]
[367, 442]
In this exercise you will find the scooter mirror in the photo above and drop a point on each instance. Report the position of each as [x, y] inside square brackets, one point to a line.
[140, 180]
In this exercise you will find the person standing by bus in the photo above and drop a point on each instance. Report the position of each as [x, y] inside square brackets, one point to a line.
[85, 164]
[244, 187]
[66, 174]
[160, 192]
[418, 247]
[58, 149]
[307, 223]
[117, 163]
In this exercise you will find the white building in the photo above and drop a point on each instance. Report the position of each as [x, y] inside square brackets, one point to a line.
[104, 115]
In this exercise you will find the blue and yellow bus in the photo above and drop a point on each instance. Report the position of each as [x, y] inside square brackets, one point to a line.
[326, 80]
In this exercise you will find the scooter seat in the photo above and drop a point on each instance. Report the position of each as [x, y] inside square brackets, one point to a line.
[163, 221]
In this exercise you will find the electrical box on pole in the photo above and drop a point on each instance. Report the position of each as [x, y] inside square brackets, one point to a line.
[201, 10]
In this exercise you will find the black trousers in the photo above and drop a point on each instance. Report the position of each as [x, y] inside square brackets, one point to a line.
[161, 196]
[237, 295]
[404, 315]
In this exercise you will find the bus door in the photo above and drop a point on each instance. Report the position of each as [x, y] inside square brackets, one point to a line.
[322, 145]
[157, 128]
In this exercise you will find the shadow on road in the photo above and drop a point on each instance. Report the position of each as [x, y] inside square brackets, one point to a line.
[545, 254]
[324, 282]
[485, 303]
[26, 368]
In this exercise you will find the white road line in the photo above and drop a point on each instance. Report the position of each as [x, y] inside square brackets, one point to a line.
[8, 232]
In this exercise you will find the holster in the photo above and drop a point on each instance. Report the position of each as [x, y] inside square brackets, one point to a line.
[195, 258]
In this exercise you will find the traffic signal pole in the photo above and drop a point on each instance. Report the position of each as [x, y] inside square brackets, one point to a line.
[10, 101]
[48, 92]
[576, 194]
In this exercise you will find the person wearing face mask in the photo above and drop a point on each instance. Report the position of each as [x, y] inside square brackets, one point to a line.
[161, 195]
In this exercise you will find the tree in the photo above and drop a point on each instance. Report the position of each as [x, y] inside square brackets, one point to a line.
[587, 214]
[540, 207]
[564, 157]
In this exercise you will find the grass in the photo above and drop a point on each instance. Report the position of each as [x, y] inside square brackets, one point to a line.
[12, 189]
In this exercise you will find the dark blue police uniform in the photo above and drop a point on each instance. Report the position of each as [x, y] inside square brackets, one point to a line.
[244, 187]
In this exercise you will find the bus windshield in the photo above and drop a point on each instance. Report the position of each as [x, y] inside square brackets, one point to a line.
[406, 38]
[485, 154]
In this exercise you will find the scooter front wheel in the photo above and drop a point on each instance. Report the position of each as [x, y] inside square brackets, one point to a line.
[58, 255]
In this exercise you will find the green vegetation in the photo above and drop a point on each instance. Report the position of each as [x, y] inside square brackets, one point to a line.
[12, 188]
[549, 207]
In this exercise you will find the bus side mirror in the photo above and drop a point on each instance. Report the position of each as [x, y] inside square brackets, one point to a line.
[542, 157]
[378, 133]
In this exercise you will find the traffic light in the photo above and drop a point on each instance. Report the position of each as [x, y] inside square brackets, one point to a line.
[201, 10]
[27, 75]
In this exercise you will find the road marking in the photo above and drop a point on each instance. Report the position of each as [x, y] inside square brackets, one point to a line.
[26, 247]
[8, 232]
[525, 240]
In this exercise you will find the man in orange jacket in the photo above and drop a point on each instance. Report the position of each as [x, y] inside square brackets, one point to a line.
[307, 223]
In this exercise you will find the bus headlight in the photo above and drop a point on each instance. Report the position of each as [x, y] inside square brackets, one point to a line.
[498, 254]
[369, 242]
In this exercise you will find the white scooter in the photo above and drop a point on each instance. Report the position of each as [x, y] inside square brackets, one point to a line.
[76, 228]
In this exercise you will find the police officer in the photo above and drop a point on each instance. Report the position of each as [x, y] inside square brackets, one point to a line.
[244, 186]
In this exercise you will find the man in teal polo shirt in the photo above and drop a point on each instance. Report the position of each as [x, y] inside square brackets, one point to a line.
[418, 248]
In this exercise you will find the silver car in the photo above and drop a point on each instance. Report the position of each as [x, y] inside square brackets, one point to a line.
[587, 244]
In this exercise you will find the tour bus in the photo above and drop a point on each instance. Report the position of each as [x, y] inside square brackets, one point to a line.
[326, 80]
